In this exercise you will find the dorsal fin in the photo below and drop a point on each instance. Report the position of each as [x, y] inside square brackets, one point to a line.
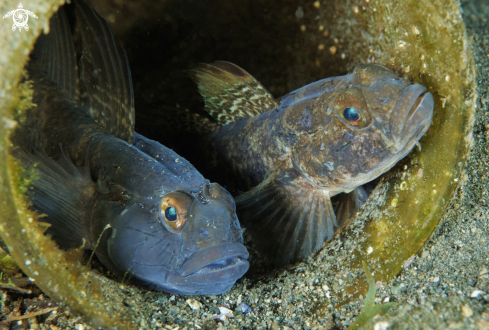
[231, 93]
[105, 77]
[54, 55]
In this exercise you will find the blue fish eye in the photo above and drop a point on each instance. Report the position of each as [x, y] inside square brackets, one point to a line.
[171, 213]
[351, 114]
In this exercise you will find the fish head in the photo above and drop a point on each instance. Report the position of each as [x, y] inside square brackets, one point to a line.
[362, 128]
[181, 242]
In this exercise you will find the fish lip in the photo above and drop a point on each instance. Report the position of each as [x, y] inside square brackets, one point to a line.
[413, 116]
[210, 259]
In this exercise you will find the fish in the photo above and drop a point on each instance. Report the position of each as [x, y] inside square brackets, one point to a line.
[286, 158]
[145, 211]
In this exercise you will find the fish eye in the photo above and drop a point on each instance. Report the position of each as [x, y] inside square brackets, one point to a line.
[351, 115]
[175, 208]
[171, 213]
[352, 109]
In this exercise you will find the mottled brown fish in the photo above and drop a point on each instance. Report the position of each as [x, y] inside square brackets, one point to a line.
[291, 155]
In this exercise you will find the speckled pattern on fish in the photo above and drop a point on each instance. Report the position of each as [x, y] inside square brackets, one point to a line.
[291, 155]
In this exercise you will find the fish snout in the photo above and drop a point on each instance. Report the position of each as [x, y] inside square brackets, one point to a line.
[218, 258]
[209, 231]
[214, 191]
[413, 115]
[213, 222]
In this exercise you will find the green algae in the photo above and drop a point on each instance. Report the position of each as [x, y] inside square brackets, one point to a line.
[7, 264]
[370, 309]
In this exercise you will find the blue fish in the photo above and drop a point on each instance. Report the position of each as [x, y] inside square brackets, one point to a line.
[143, 209]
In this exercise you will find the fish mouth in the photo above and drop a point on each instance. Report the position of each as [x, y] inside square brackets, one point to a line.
[216, 260]
[413, 116]
[211, 271]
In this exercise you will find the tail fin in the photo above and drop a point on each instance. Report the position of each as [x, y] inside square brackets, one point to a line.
[64, 192]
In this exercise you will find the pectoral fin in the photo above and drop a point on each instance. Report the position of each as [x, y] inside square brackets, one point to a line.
[64, 193]
[288, 217]
[230, 93]
[348, 204]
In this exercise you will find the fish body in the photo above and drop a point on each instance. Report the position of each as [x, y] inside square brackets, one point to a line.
[291, 155]
[143, 209]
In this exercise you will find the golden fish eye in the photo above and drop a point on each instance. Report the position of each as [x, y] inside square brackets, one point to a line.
[174, 209]
[171, 216]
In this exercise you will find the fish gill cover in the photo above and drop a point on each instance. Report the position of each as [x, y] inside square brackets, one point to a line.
[426, 41]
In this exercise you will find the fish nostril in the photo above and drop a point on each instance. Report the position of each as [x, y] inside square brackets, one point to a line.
[238, 234]
[203, 233]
